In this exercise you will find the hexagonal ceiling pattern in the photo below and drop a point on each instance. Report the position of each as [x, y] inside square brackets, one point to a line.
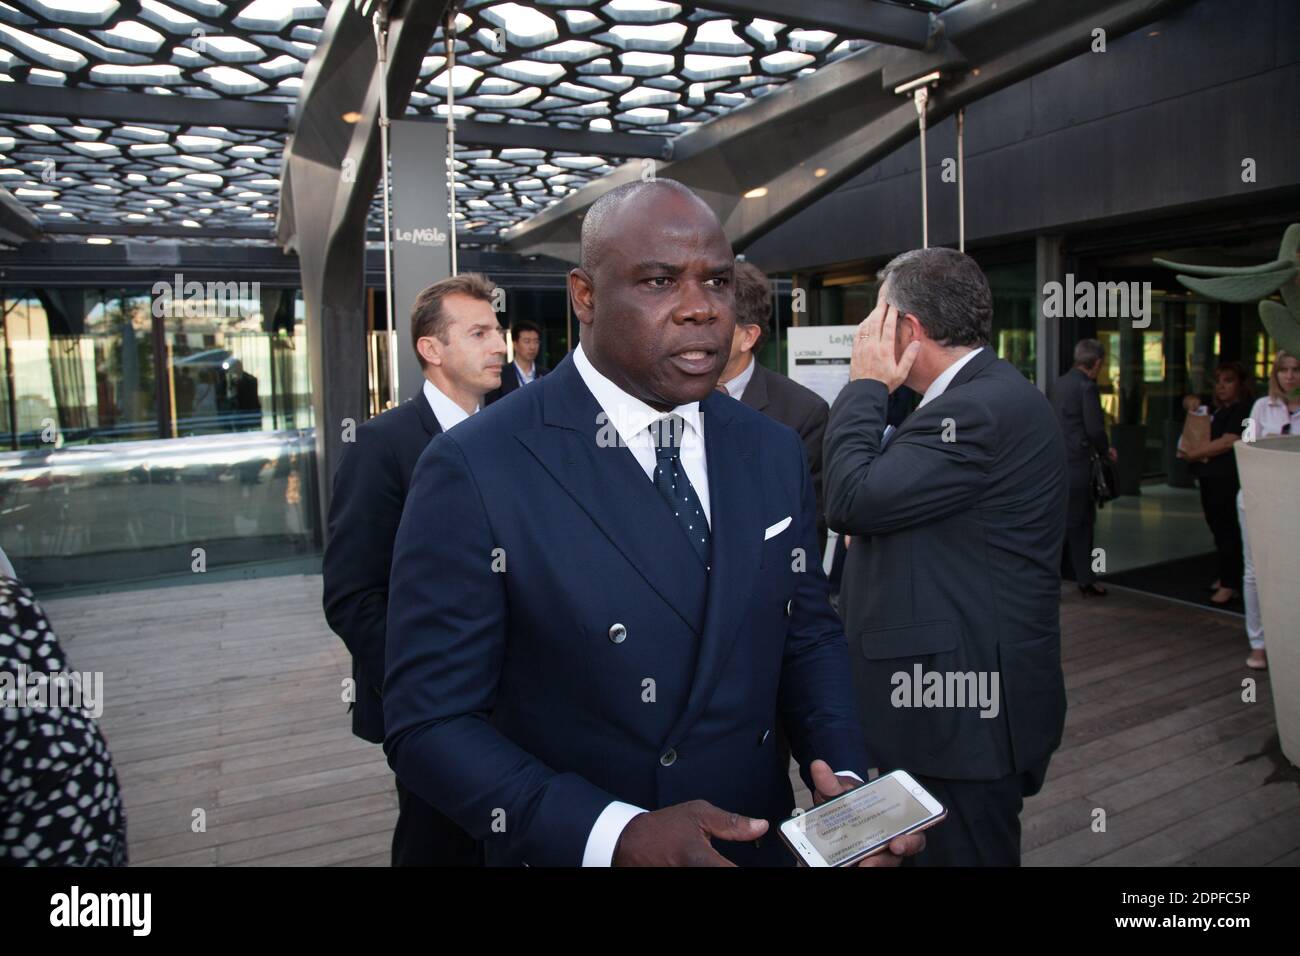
[625, 65]
[186, 47]
[496, 188]
[104, 172]
[69, 169]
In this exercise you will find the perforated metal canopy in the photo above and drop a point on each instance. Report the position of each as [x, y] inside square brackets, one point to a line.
[85, 155]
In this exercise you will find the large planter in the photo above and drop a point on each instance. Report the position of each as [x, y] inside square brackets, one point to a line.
[1270, 479]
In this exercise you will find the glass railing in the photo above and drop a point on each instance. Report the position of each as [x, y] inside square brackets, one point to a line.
[128, 510]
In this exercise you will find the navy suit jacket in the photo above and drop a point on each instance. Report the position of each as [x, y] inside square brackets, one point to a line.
[512, 701]
[369, 491]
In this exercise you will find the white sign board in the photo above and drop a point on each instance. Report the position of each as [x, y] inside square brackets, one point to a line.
[819, 357]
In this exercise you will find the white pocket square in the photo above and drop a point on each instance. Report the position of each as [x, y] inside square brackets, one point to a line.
[777, 528]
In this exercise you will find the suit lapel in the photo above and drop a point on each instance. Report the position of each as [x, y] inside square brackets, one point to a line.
[755, 394]
[425, 412]
[608, 484]
[736, 518]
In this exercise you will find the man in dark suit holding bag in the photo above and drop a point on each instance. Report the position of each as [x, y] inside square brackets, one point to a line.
[951, 587]
[1078, 408]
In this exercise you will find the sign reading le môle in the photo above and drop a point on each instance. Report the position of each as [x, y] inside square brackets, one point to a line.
[819, 357]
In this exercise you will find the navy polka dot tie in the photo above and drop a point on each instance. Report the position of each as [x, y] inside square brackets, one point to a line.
[670, 479]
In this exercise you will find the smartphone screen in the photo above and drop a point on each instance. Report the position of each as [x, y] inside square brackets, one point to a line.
[861, 820]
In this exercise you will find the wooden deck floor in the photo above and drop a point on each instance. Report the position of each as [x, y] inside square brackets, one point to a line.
[226, 698]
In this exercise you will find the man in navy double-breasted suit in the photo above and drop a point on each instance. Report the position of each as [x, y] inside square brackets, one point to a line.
[606, 591]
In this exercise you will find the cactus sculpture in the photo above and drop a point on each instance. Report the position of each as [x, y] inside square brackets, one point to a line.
[1249, 283]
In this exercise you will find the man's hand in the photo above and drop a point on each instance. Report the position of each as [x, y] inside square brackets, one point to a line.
[679, 836]
[873, 349]
[828, 785]
[1114, 455]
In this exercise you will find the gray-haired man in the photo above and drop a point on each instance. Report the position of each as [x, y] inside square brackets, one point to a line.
[951, 589]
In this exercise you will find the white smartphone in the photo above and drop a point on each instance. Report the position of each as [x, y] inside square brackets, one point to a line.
[856, 824]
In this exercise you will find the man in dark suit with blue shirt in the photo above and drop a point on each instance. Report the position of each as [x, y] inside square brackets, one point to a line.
[524, 369]
[458, 341]
[605, 590]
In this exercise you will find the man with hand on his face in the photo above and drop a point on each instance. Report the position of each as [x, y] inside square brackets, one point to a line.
[615, 704]
[957, 518]
[458, 341]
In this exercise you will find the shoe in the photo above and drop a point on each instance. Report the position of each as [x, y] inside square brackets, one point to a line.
[1092, 590]
[1223, 597]
[1257, 661]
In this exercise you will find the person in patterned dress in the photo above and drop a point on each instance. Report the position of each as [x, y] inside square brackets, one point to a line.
[60, 804]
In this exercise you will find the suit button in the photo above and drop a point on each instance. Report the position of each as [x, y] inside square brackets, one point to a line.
[618, 633]
[669, 758]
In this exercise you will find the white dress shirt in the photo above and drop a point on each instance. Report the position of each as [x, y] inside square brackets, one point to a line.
[736, 387]
[632, 418]
[525, 377]
[940, 384]
[448, 413]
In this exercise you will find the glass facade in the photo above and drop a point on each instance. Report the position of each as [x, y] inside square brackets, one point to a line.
[1015, 315]
[847, 299]
[148, 431]
[154, 431]
[1149, 370]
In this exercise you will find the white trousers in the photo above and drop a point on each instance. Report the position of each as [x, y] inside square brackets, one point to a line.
[1254, 623]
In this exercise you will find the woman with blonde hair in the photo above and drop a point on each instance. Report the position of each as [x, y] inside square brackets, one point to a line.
[1277, 414]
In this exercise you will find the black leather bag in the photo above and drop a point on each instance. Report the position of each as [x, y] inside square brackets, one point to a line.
[1105, 483]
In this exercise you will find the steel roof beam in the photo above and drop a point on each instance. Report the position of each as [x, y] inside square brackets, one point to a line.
[800, 142]
[856, 19]
[79, 102]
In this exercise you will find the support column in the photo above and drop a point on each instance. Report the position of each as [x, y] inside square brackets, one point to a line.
[1049, 266]
[421, 233]
[330, 173]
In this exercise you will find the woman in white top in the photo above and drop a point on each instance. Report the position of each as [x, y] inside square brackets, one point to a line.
[1278, 414]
